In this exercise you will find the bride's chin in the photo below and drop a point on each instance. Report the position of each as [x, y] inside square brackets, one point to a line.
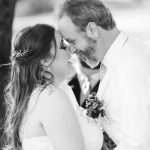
[69, 72]
[70, 65]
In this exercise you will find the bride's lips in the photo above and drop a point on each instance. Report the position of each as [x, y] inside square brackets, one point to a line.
[71, 58]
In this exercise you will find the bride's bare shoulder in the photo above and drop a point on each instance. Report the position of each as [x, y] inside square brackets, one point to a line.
[51, 92]
[52, 97]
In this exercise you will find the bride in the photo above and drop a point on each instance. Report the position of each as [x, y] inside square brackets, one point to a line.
[42, 113]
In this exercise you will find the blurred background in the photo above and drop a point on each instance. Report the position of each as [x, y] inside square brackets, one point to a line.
[132, 16]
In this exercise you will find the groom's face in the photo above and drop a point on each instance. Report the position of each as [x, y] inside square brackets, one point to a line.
[84, 46]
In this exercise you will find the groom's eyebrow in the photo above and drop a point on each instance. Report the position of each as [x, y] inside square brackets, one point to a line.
[69, 40]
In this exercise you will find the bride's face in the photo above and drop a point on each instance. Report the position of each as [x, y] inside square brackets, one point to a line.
[61, 67]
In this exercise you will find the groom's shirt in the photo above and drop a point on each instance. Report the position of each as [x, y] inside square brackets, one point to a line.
[125, 89]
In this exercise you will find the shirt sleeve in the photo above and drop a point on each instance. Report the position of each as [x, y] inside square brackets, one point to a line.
[132, 87]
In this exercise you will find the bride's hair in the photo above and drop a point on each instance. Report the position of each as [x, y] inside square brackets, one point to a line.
[31, 45]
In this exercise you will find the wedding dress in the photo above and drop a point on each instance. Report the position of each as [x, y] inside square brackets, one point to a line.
[91, 129]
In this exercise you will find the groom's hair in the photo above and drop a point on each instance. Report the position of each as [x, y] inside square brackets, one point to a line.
[82, 12]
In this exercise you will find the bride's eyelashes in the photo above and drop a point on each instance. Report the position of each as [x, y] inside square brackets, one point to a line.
[62, 45]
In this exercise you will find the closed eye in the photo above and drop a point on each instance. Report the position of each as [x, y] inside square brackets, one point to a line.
[63, 45]
[71, 41]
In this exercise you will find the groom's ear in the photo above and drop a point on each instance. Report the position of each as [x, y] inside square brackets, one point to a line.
[92, 30]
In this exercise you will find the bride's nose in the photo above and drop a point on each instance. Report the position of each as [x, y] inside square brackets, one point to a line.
[69, 55]
[72, 58]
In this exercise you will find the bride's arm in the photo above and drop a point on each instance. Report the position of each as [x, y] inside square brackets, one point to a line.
[60, 122]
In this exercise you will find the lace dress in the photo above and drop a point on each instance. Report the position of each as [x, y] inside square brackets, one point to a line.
[91, 129]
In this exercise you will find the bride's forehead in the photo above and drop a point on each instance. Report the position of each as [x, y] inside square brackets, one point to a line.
[58, 36]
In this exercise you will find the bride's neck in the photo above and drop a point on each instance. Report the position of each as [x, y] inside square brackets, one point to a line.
[58, 81]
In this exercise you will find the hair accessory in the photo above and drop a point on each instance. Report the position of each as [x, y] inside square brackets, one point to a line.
[21, 53]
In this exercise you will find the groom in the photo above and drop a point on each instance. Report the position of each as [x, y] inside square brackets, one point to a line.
[125, 70]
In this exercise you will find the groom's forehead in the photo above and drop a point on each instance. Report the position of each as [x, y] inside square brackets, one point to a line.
[66, 25]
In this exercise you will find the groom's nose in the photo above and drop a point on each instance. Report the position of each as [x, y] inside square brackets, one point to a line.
[73, 50]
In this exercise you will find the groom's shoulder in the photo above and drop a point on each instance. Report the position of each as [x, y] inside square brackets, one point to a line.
[135, 53]
[135, 43]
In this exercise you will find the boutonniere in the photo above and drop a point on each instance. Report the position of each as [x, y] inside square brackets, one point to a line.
[94, 106]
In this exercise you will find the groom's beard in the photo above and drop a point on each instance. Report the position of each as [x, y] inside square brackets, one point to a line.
[88, 54]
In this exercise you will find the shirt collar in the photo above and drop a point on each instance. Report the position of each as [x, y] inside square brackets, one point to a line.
[112, 55]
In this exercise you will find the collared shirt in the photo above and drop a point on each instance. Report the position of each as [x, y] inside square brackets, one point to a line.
[126, 91]
[111, 58]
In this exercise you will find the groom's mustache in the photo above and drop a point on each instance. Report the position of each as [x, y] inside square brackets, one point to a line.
[87, 54]
[83, 56]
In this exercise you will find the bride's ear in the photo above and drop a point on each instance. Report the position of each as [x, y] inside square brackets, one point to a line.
[45, 62]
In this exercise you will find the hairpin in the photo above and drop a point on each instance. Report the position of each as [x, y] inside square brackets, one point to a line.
[22, 53]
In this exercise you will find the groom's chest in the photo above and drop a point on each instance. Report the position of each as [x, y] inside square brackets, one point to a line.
[109, 94]
[110, 122]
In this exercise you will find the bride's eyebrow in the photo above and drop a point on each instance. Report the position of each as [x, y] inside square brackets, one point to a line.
[61, 35]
